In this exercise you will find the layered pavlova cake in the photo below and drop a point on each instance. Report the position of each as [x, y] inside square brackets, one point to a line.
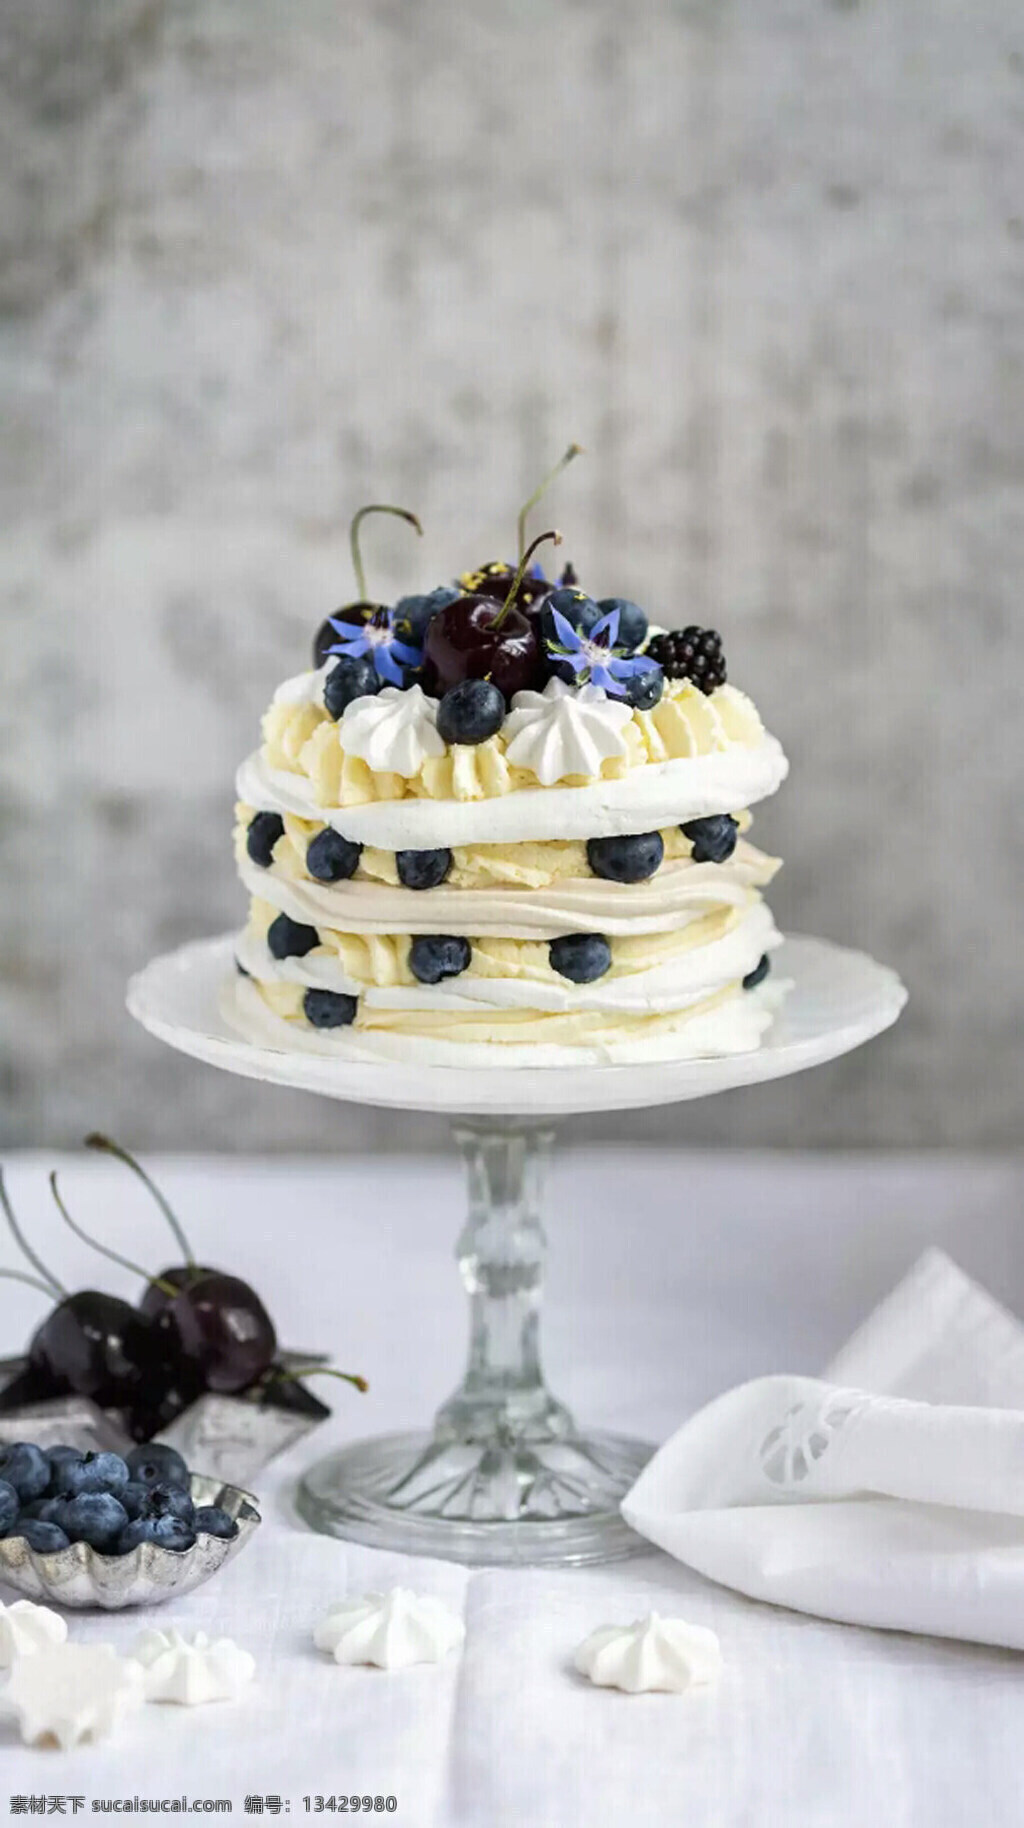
[506, 821]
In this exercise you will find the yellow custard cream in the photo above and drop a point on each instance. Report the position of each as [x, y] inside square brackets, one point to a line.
[578, 885]
[336, 757]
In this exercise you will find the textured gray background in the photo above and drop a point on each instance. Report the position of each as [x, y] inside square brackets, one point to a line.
[262, 261]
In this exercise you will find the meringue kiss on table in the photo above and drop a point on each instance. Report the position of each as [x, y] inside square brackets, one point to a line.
[651, 1654]
[191, 1671]
[26, 1628]
[389, 1630]
[70, 1694]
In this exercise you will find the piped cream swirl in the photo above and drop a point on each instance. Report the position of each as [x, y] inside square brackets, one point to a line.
[677, 892]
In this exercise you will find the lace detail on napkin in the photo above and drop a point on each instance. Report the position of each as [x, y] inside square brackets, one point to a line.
[791, 1450]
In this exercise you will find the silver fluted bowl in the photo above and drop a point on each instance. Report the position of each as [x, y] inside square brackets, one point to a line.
[80, 1576]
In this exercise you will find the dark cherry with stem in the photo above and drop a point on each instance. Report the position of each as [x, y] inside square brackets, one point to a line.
[92, 1344]
[215, 1327]
[165, 1287]
[363, 610]
[222, 1330]
[217, 1331]
[478, 638]
[171, 1384]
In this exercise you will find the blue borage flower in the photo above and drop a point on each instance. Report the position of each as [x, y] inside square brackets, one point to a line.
[376, 640]
[594, 657]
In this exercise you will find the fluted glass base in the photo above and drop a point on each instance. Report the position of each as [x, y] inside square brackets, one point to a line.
[506, 1477]
[490, 1505]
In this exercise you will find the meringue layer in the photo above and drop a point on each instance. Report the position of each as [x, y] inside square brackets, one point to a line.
[529, 865]
[678, 892]
[653, 974]
[734, 1022]
[661, 793]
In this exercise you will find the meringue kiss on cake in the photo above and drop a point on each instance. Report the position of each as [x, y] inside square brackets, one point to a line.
[506, 820]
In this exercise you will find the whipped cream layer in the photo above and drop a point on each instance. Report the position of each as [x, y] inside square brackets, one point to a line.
[662, 793]
[680, 975]
[733, 1022]
[677, 892]
[534, 864]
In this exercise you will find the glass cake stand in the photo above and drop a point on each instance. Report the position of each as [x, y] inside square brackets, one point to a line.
[506, 1475]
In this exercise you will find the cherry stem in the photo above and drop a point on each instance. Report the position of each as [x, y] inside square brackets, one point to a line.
[374, 507]
[52, 1285]
[17, 1275]
[166, 1288]
[575, 450]
[104, 1143]
[295, 1376]
[540, 540]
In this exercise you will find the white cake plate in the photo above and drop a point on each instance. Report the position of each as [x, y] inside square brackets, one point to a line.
[506, 1476]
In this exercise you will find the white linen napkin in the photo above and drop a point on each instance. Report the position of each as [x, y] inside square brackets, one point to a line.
[889, 1493]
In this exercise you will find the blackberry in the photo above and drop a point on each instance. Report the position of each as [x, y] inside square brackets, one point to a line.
[690, 653]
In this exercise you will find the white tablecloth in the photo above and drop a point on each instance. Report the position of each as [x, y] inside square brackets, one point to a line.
[671, 1277]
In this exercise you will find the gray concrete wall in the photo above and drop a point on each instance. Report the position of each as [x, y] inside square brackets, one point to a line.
[263, 261]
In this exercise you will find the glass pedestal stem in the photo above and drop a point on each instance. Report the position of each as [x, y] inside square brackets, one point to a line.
[500, 1252]
[505, 1476]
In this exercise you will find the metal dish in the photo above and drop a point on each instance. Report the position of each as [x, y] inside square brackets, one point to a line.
[79, 1576]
